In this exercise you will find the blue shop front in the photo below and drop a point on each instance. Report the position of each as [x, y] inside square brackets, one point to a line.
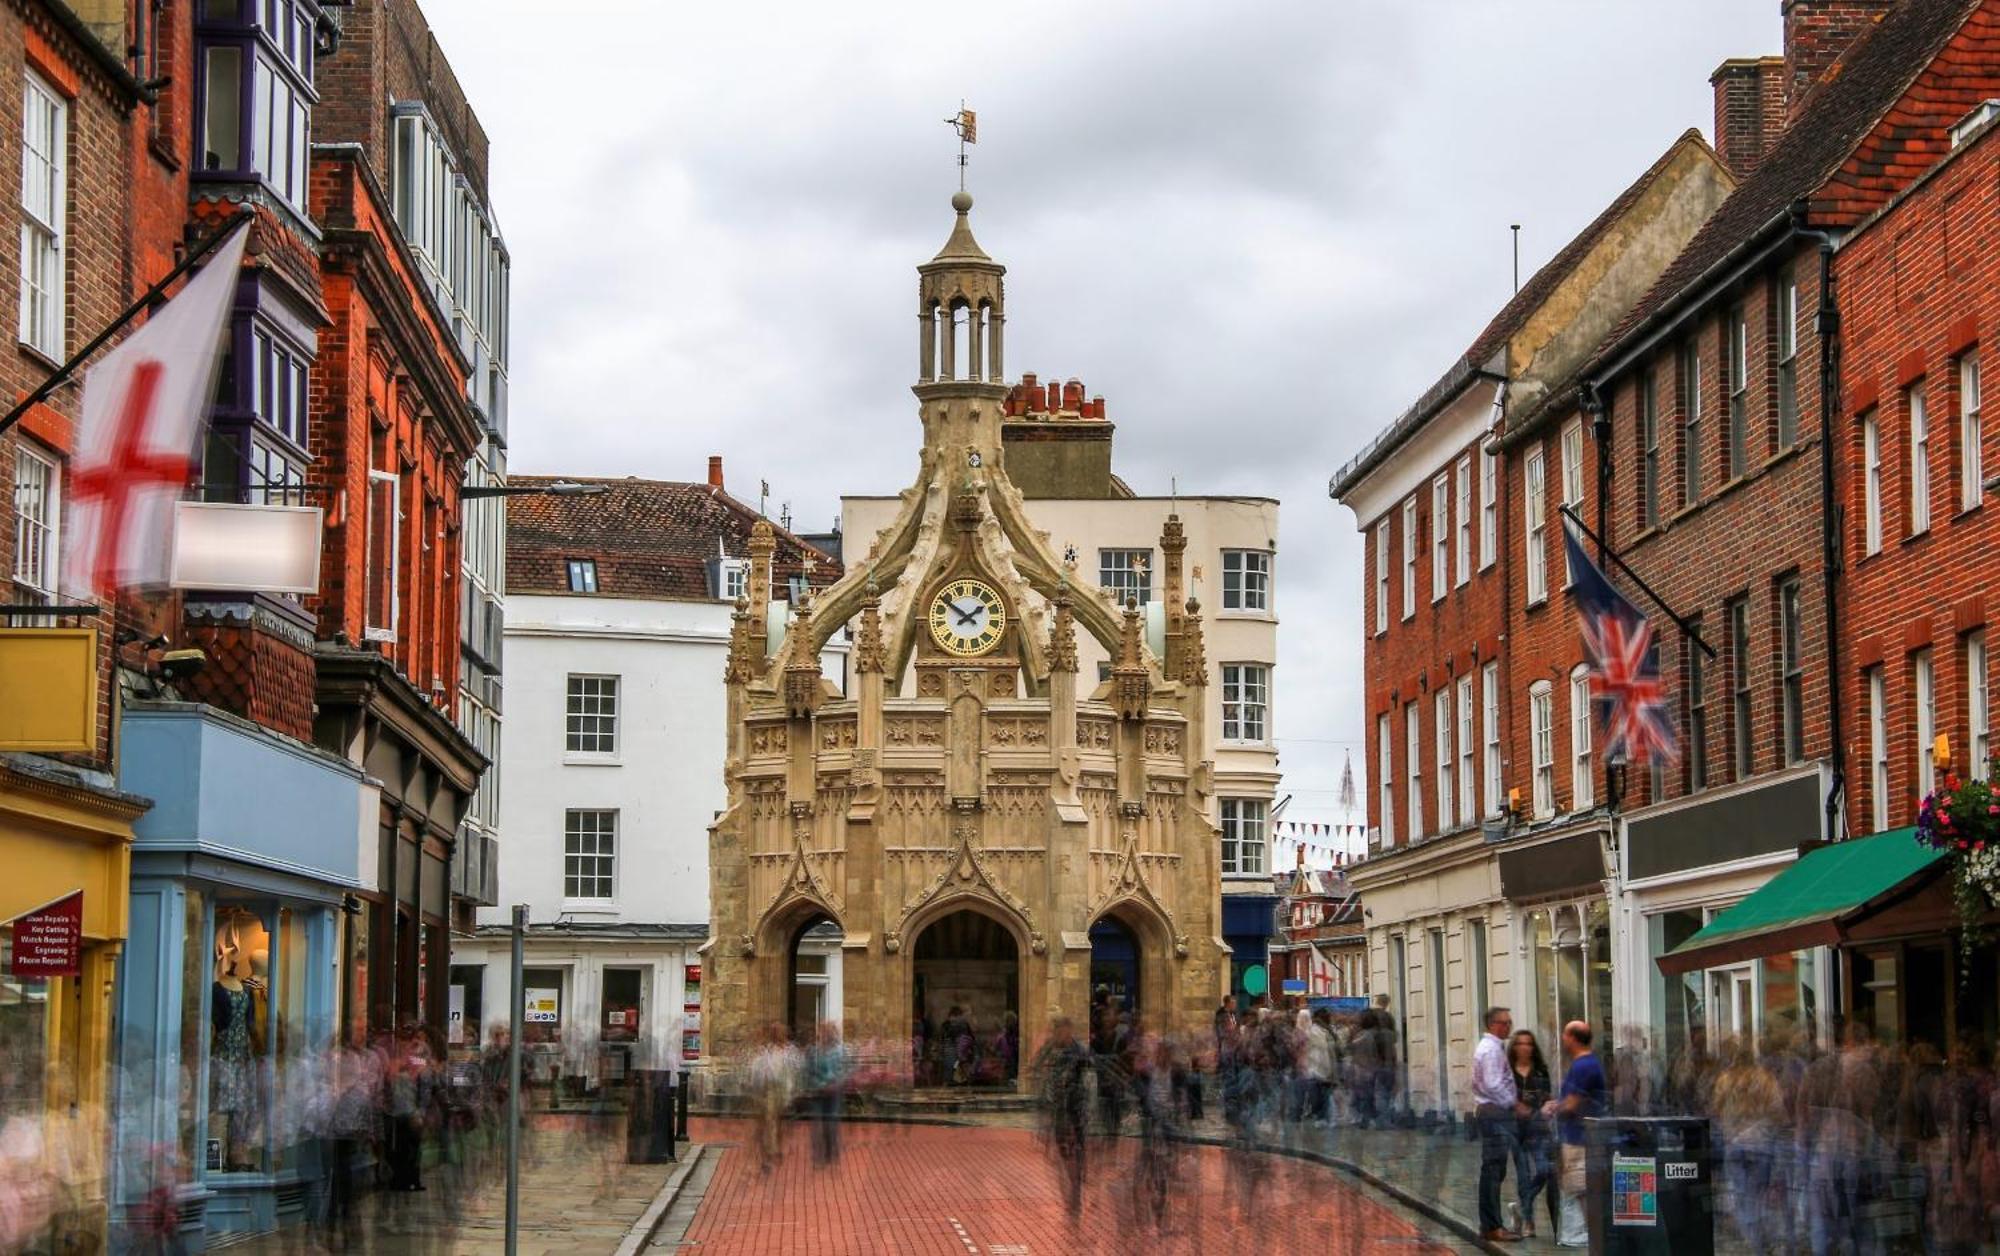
[229, 994]
[1248, 923]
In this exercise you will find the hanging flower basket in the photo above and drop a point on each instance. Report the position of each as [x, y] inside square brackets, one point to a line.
[1962, 818]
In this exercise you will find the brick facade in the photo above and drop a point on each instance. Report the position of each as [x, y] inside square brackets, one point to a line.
[1917, 288]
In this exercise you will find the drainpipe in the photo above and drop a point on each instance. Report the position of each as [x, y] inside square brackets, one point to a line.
[1827, 326]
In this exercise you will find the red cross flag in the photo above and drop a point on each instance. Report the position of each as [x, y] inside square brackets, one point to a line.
[142, 409]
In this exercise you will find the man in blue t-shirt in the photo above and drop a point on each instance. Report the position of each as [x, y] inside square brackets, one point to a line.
[1583, 1095]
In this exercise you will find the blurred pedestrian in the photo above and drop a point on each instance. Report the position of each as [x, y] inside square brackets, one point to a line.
[1533, 1137]
[774, 1071]
[1584, 1095]
[1061, 1067]
[1498, 1110]
[828, 1067]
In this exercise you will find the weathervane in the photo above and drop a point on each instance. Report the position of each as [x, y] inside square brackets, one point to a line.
[966, 123]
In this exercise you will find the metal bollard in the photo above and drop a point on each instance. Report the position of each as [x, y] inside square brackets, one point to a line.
[682, 1101]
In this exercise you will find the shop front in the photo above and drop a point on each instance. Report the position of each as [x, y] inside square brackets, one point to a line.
[230, 998]
[1555, 884]
[65, 847]
[1882, 907]
[600, 1001]
[1682, 866]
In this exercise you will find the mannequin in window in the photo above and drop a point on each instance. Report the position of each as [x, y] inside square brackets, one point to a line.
[234, 1047]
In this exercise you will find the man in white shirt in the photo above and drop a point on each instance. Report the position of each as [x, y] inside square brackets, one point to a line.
[1499, 1107]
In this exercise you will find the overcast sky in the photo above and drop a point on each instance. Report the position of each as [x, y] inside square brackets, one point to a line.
[1259, 230]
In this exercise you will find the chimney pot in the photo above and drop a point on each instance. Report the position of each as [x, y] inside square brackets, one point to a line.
[1072, 395]
[715, 470]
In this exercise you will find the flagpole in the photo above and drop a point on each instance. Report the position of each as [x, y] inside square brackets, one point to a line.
[132, 311]
[1686, 628]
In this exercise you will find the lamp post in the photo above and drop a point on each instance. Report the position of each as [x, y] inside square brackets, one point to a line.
[516, 1016]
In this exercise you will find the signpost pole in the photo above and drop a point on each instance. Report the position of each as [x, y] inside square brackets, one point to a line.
[516, 1015]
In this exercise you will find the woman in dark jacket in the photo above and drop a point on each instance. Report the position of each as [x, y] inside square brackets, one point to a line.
[1532, 1148]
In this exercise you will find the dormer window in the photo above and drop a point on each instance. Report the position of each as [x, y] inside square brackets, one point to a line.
[734, 578]
[582, 575]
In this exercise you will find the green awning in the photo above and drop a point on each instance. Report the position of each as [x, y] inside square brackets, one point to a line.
[1808, 903]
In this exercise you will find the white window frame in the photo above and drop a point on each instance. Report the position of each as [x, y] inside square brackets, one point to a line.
[592, 713]
[1878, 747]
[1871, 484]
[1572, 483]
[1245, 828]
[1534, 518]
[1582, 779]
[1924, 690]
[1440, 536]
[1468, 777]
[1788, 349]
[604, 862]
[1382, 576]
[44, 218]
[1489, 681]
[1413, 753]
[385, 632]
[1124, 572]
[1920, 459]
[1489, 507]
[1462, 483]
[1250, 572]
[735, 578]
[1441, 730]
[37, 524]
[1972, 455]
[1410, 559]
[1385, 774]
[1246, 703]
[1978, 707]
[1541, 725]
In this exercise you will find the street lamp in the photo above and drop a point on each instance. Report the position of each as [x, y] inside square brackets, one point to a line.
[555, 488]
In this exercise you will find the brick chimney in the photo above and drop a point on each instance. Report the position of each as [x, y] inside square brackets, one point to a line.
[715, 470]
[1749, 110]
[1816, 33]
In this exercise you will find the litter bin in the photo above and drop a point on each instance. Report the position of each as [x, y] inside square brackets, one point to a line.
[1650, 1185]
[649, 1117]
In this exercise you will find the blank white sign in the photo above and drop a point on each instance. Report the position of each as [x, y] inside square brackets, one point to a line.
[265, 549]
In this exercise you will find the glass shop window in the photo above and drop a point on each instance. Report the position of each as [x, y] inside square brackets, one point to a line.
[239, 1043]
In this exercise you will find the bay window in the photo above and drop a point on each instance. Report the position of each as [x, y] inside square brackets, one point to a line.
[1244, 821]
[254, 98]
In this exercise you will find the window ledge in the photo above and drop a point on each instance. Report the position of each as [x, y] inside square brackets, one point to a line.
[590, 906]
[1537, 603]
[1267, 617]
[53, 364]
[1966, 512]
[1915, 537]
[579, 759]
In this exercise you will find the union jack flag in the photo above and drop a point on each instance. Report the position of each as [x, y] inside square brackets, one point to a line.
[1624, 663]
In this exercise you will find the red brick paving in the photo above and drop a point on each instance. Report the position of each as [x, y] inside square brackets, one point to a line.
[981, 1191]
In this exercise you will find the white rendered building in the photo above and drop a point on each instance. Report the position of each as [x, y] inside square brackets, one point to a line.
[619, 610]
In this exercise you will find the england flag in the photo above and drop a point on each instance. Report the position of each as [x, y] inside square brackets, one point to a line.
[143, 404]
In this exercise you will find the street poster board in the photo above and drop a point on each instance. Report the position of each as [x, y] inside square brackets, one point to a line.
[1634, 1195]
[544, 1006]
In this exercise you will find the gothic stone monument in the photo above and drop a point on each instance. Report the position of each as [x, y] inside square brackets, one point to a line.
[967, 815]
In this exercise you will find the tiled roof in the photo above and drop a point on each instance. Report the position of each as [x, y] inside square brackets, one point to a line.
[1512, 317]
[1851, 97]
[649, 539]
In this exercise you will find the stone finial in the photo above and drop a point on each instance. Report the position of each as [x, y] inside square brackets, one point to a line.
[1062, 635]
[870, 655]
[1173, 546]
[1131, 686]
[802, 679]
[738, 669]
[1194, 651]
[763, 543]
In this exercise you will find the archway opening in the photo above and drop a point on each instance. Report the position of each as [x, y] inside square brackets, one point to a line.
[812, 977]
[966, 1002]
[1114, 966]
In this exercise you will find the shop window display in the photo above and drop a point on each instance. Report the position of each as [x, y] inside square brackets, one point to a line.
[239, 1019]
[24, 1024]
[196, 980]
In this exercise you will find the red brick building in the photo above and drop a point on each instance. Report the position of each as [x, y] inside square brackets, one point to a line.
[1717, 451]
[1917, 294]
[1486, 872]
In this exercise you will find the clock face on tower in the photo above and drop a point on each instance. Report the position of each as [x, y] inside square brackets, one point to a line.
[967, 618]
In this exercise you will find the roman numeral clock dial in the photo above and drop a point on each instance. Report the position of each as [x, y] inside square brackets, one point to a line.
[967, 618]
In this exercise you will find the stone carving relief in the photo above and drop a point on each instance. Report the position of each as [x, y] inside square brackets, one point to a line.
[1163, 739]
[837, 735]
[1023, 733]
[769, 739]
[1093, 734]
[917, 732]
